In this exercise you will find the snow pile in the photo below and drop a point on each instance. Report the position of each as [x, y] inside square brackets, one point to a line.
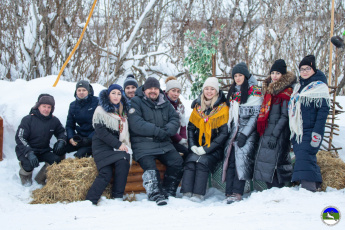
[291, 208]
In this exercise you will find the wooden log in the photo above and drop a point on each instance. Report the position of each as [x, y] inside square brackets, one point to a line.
[1, 136]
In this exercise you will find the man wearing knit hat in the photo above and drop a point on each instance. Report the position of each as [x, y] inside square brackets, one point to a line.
[33, 139]
[152, 121]
[130, 86]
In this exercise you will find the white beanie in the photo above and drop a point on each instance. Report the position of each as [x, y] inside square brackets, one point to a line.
[213, 82]
[172, 83]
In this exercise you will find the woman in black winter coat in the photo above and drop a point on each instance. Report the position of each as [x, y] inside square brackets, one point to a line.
[110, 144]
[207, 132]
[273, 161]
[79, 120]
[244, 98]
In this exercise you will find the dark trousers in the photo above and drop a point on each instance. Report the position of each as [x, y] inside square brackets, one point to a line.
[103, 179]
[275, 182]
[48, 157]
[181, 149]
[233, 184]
[81, 151]
[195, 178]
[169, 159]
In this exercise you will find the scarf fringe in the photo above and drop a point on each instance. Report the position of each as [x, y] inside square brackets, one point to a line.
[105, 119]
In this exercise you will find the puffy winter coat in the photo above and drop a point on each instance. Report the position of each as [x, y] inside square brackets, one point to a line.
[79, 118]
[151, 125]
[35, 131]
[268, 160]
[245, 156]
[105, 138]
[214, 153]
[314, 120]
[182, 131]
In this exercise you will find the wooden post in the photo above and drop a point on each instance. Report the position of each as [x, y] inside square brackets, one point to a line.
[334, 99]
[213, 65]
[331, 47]
[1, 136]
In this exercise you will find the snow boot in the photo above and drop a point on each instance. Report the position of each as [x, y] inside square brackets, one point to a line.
[197, 198]
[151, 185]
[25, 177]
[172, 178]
[41, 176]
[235, 197]
[187, 195]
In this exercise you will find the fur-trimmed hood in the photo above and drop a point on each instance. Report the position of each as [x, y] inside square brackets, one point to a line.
[107, 105]
[287, 80]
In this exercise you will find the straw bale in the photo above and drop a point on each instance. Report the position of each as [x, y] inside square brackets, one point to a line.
[332, 170]
[68, 181]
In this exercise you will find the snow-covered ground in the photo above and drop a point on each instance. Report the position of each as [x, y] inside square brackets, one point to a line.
[287, 208]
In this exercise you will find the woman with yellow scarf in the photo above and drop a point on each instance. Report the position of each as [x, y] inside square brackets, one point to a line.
[207, 133]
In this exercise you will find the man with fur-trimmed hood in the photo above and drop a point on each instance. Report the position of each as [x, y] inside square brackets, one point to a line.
[273, 162]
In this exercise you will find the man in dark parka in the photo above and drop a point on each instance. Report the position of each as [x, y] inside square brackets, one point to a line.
[79, 120]
[152, 121]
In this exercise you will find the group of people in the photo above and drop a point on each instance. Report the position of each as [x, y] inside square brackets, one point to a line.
[246, 132]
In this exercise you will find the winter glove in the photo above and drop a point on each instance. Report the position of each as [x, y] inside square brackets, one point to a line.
[272, 142]
[183, 142]
[194, 149]
[33, 159]
[59, 148]
[200, 151]
[241, 140]
[315, 139]
[162, 135]
[77, 138]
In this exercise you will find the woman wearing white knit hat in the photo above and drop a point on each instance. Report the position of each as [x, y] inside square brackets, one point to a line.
[172, 92]
[207, 133]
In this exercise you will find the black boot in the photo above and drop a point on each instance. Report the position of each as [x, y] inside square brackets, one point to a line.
[153, 190]
[172, 178]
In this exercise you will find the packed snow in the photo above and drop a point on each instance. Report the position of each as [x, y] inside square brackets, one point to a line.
[286, 208]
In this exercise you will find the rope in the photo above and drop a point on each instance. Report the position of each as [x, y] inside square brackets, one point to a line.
[76, 46]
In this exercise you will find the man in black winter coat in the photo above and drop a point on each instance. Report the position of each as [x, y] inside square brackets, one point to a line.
[152, 121]
[79, 120]
[33, 138]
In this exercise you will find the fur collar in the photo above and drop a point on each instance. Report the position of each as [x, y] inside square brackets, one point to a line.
[287, 80]
[106, 104]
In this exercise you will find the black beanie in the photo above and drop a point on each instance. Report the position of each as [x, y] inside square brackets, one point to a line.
[151, 82]
[242, 69]
[84, 84]
[45, 98]
[308, 60]
[130, 80]
[279, 66]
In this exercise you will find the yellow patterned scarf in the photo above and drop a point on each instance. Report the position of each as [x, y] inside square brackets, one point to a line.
[205, 123]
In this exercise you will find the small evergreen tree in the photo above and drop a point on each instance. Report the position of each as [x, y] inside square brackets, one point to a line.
[199, 58]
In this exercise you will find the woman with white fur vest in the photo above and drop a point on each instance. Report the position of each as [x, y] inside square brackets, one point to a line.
[244, 98]
[273, 161]
[110, 144]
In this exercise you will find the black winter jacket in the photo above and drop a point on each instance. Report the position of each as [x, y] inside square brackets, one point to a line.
[214, 153]
[105, 140]
[79, 118]
[35, 131]
[269, 160]
[151, 125]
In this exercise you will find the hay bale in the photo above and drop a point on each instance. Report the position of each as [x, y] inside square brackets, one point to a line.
[68, 181]
[332, 170]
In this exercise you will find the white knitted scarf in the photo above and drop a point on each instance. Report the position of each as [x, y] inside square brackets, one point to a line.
[314, 92]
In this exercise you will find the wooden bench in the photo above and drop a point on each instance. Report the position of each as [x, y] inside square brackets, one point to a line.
[135, 180]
